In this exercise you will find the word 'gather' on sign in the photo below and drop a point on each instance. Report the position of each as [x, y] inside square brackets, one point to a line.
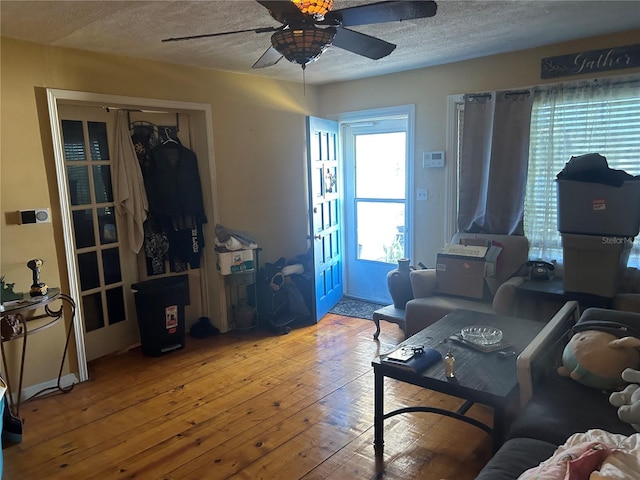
[591, 62]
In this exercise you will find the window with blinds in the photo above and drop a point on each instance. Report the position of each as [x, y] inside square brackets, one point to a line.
[573, 121]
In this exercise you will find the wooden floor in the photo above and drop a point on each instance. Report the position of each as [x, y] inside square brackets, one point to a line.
[247, 406]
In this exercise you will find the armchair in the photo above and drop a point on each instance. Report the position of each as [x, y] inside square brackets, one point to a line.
[429, 306]
[628, 298]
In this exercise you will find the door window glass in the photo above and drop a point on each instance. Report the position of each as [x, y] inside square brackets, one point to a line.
[98, 140]
[79, 185]
[111, 266]
[380, 165]
[88, 269]
[108, 228]
[92, 308]
[83, 228]
[102, 183]
[115, 305]
[380, 231]
[73, 140]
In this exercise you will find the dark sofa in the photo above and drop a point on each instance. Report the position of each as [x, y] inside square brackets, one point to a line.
[558, 407]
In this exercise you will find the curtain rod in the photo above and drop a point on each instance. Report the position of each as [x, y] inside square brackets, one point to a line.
[612, 80]
[574, 84]
[488, 95]
[518, 92]
[473, 96]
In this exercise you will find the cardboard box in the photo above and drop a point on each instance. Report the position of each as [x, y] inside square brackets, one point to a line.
[461, 269]
[234, 262]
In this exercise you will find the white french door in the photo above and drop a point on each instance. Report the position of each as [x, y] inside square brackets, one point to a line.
[105, 265]
[377, 201]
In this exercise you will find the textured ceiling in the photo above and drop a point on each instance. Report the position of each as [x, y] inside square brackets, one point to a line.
[460, 30]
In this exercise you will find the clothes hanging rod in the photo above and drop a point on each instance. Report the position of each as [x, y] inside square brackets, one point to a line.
[145, 121]
[135, 110]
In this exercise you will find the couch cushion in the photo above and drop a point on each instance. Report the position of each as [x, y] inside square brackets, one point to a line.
[603, 316]
[515, 457]
[631, 281]
[561, 407]
[629, 302]
[422, 312]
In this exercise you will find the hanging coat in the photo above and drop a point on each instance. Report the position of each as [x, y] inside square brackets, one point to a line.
[129, 191]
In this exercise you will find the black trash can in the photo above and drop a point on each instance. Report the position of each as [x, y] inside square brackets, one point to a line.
[160, 306]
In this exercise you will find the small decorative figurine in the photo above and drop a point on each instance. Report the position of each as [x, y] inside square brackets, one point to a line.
[38, 288]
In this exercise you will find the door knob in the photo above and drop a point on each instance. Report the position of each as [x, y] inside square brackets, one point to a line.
[317, 237]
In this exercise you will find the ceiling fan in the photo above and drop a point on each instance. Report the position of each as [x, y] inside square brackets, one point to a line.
[309, 27]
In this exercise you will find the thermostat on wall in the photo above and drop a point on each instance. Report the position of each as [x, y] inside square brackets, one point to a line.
[432, 159]
[39, 215]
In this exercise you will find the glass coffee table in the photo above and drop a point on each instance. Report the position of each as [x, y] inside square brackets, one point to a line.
[488, 378]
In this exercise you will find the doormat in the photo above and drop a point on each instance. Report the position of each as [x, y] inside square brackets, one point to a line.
[349, 307]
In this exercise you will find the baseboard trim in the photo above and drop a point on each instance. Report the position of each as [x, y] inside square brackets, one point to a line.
[65, 381]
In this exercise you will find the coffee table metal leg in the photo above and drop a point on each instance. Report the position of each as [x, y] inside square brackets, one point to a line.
[378, 413]
[499, 426]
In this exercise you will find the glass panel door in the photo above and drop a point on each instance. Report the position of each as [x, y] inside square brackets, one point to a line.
[380, 195]
[104, 265]
[376, 204]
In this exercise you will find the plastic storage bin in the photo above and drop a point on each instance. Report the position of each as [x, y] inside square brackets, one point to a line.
[160, 306]
[599, 209]
[594, 264]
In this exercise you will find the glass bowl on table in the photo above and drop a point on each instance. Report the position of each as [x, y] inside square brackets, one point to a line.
[481, 335]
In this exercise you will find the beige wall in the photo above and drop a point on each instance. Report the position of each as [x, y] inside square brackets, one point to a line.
[258, 141]
[428, 89]
[259, 144]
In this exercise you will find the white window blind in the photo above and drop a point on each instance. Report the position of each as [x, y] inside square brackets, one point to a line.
[570, 120]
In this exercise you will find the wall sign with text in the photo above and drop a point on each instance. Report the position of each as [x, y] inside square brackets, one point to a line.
[591, 62]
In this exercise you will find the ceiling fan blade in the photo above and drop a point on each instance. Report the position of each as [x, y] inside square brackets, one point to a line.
[380, 12]
[283, 11]
[268, 58]
[208, 35]
[362, 44]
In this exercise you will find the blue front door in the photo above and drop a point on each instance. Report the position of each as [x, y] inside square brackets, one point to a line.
[325, 212]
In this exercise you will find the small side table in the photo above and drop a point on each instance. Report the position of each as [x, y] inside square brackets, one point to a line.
[541, 299]
[14, 323]
[390, 314]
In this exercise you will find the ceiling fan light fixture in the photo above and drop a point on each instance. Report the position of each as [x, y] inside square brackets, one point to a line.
[302, 45]
[317, 8]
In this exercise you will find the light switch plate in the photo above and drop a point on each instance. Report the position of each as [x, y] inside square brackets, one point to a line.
[39, 215]
[421, 194]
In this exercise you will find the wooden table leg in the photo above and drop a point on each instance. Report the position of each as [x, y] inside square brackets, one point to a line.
[376, 320]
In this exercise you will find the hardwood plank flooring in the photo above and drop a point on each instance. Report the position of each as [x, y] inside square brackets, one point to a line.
[248, 405]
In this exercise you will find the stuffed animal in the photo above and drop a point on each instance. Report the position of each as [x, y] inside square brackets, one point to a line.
[596, 359]
[628, 400]
[576, 461]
